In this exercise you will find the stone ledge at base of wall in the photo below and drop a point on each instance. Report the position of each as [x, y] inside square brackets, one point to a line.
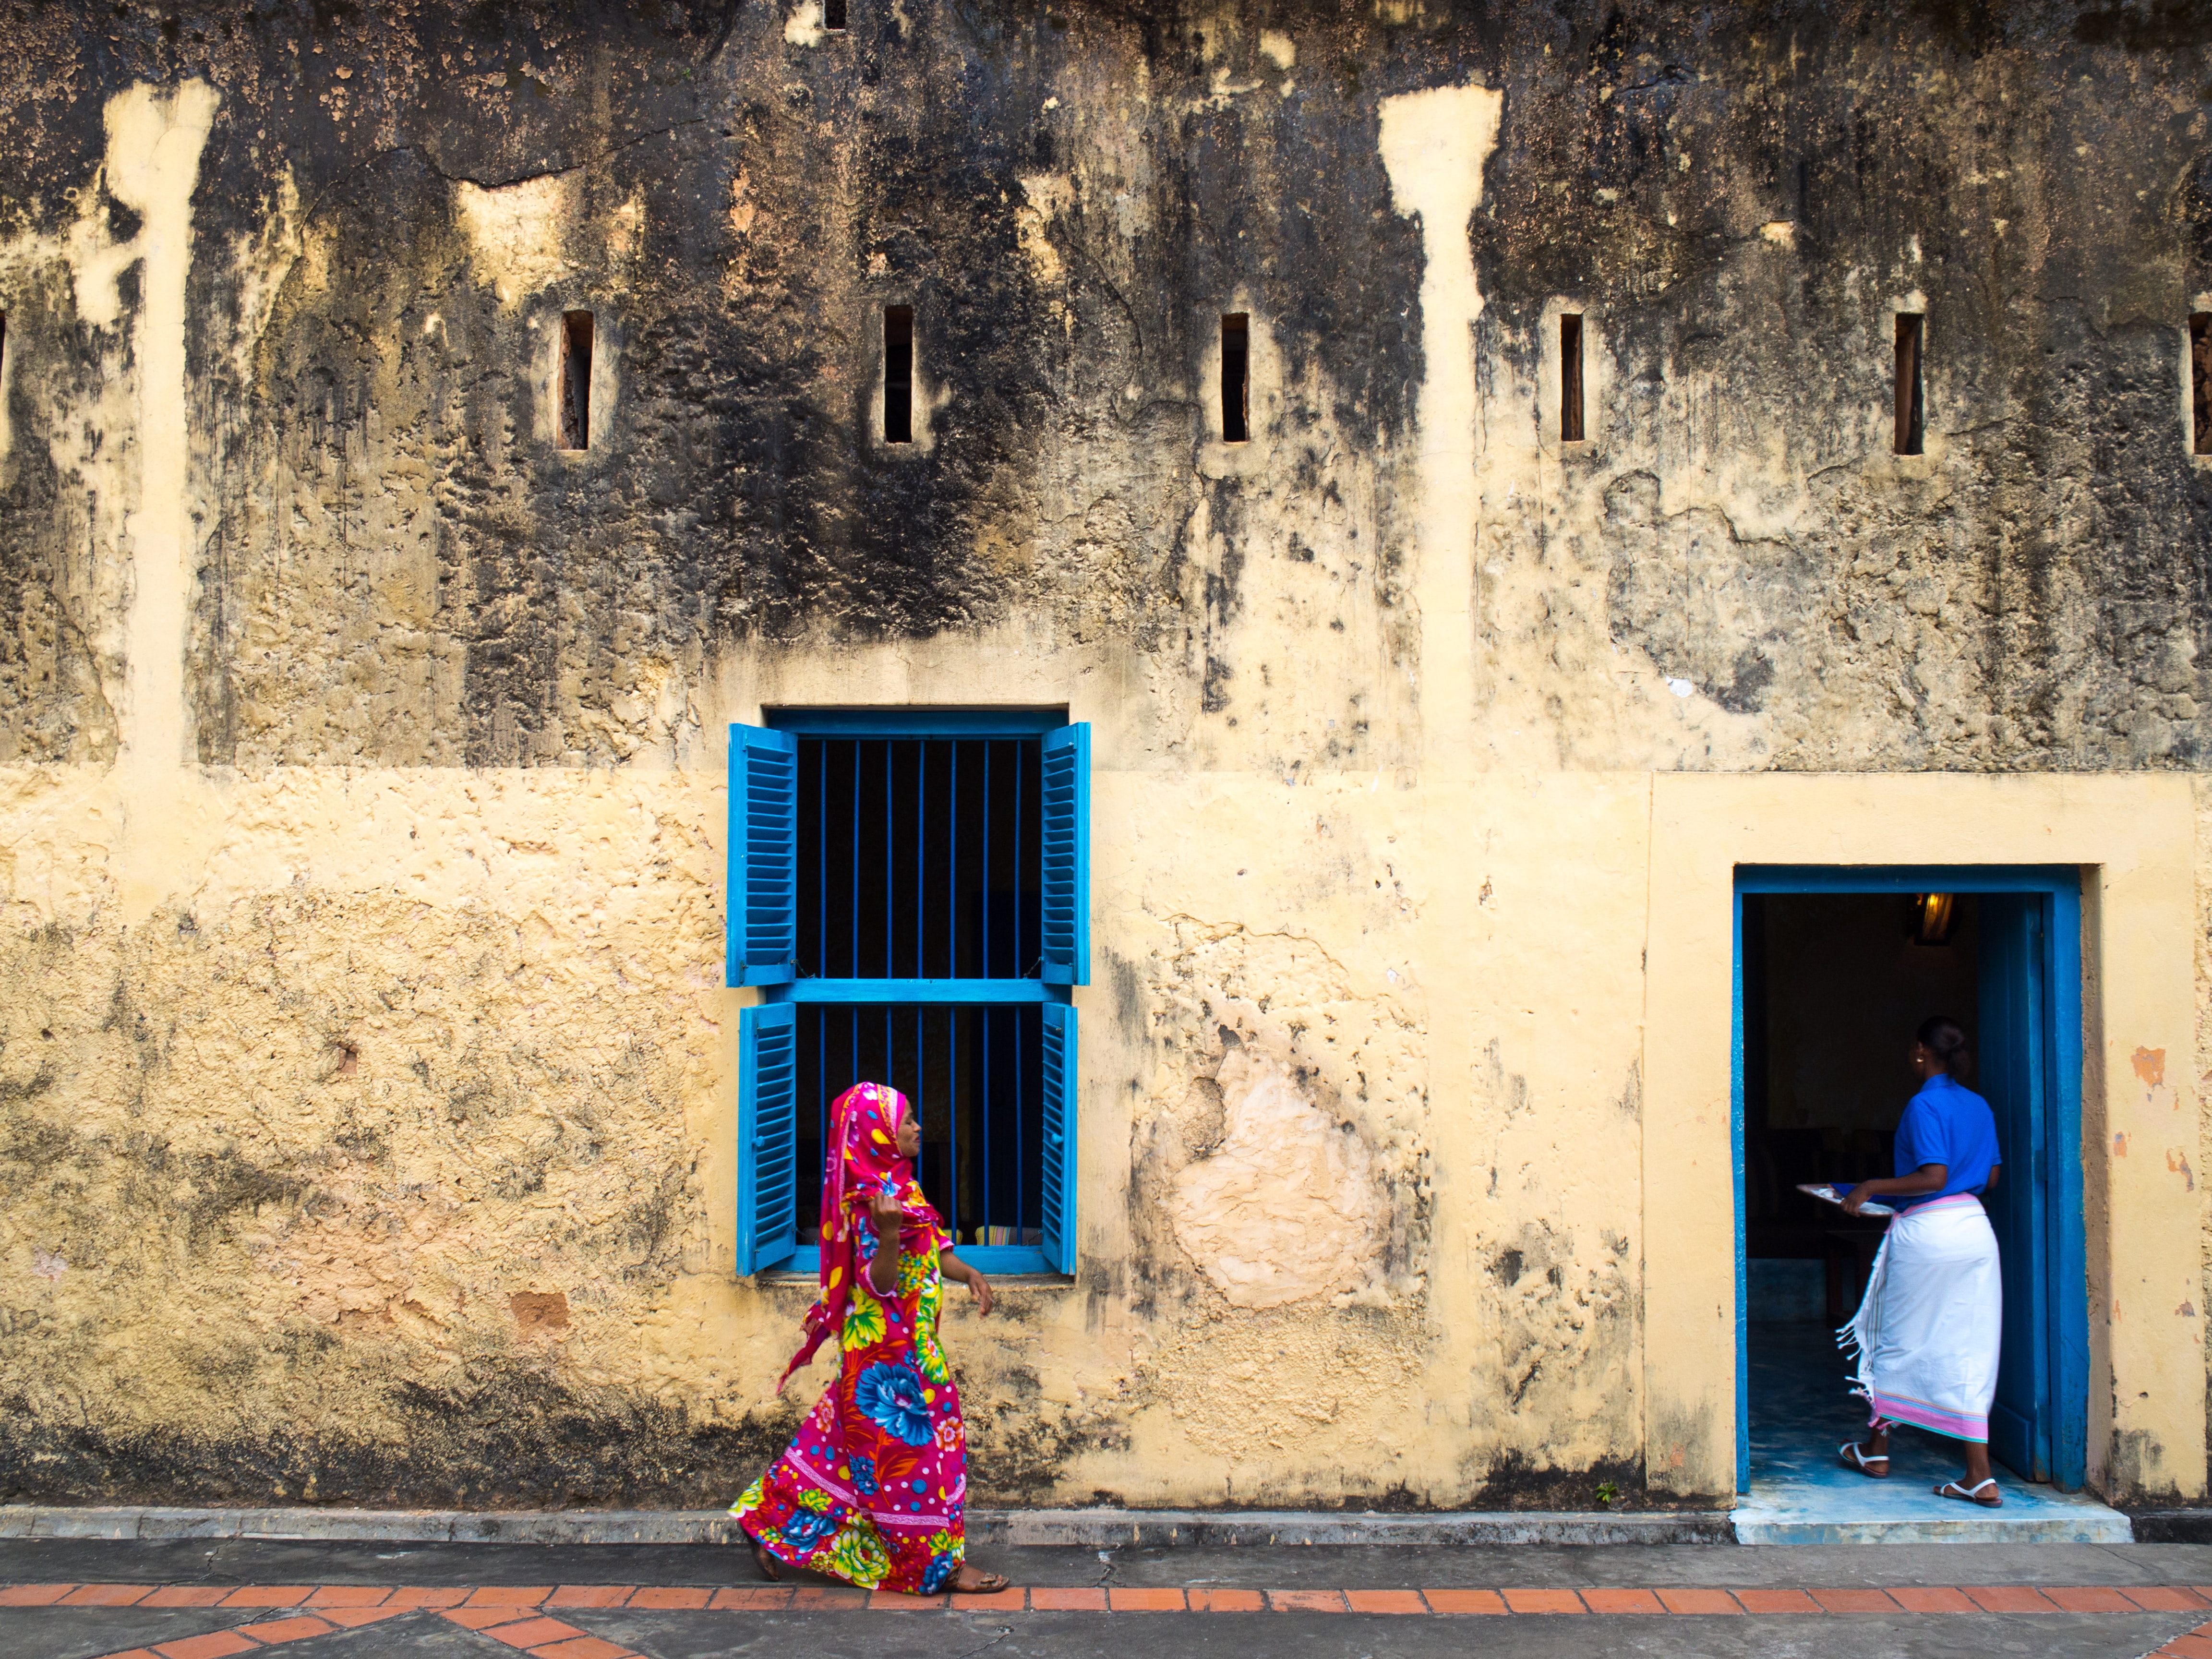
[2172, 1526]
[1089, 1528]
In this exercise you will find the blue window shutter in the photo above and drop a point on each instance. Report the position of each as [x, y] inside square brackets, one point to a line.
[1060, 1075]
[763, 896]
[1067, 857]
[768, 1136]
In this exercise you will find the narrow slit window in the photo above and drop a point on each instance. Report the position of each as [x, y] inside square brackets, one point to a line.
[1911, 336]
[576, 379]
[1570, 379]
[898, 374]
[2200, 378]
[833, 15]
[1236, 377]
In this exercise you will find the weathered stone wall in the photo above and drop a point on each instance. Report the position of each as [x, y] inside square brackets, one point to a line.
[366, 1081]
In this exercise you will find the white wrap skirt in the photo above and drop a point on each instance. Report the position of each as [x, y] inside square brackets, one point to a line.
[1926, 1335]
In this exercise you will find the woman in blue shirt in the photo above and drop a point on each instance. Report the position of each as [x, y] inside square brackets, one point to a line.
[1927, 1333]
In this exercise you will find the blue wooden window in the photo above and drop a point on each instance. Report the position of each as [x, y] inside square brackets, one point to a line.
[931, 872]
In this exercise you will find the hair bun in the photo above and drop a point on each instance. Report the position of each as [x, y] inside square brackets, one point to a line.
[1945, 1038]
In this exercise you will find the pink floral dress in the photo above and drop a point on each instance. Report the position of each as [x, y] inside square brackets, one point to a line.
[873, 1487]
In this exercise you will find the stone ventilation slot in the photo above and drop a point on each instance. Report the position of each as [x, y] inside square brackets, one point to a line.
[1911, 415]
[2200, 378]
[1570, 379]
[833, 15]
[576, 379]
[898, 374]
[1236, 377]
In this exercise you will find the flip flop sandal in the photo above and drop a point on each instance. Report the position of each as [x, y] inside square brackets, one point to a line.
[1855, 1459]
[765, 1562]
[989, 1585]
[1973, 1494]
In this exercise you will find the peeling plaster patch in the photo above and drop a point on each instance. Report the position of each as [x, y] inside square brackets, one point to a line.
[539, 1313]
[743, 211]
[1285, 1209]
[1715, 610]
[626, 229]
[263, 259]
[515, 233]
[1044, 197]
[1281, 50]
[2150, 1067]
[803, 26]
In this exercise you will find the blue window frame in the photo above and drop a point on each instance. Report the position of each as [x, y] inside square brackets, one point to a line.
[2030, 1049]
[909, 890]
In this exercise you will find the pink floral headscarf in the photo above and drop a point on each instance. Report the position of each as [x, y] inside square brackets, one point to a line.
[863, 1160]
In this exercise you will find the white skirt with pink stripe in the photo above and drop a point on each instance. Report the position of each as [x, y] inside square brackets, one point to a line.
[1927, 1333]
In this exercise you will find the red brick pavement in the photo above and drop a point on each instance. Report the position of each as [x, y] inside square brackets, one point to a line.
[517, 1615]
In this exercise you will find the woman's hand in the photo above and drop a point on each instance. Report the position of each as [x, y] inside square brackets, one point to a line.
[978, 1286]
[886, 1215]
[1927, 1178]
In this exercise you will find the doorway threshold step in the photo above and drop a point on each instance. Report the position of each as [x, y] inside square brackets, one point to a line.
[1901, 1512]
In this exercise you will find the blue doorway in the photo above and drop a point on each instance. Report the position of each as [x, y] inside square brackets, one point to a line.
[2014, 971]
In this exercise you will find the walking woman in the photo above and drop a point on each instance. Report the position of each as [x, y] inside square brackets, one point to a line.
[873, 1489]
[1927, 1333]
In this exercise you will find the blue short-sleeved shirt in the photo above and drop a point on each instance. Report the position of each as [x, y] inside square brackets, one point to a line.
[1950, 1124]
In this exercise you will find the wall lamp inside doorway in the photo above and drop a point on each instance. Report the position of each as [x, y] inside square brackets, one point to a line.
[1934, 916]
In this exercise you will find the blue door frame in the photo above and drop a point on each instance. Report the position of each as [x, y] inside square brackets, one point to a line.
[2061, 1240]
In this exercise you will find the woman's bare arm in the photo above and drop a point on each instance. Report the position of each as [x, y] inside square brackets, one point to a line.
[961, 1273]
[1927, 1178]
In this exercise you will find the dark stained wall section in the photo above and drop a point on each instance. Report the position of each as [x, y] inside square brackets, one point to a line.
[395, 566]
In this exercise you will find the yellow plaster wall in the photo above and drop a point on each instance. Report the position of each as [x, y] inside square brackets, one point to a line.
[474, 1020]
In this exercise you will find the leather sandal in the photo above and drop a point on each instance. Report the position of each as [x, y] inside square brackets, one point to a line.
[989, 1585]
[765, 1562]
[1972, 1494]
[1855, 1459]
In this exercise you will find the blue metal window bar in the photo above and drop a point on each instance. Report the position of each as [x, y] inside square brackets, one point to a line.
[920, 917]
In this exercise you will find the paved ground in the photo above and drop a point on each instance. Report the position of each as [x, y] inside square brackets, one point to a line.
[198, 1600]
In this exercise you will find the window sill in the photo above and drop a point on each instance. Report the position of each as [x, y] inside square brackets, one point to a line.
[869, 992]
[1008, 1261]
[780, 1277]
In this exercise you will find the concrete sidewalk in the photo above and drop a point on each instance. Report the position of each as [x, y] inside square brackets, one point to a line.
[208, 1599]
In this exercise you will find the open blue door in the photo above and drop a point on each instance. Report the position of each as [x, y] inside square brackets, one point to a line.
[2013, 1048]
